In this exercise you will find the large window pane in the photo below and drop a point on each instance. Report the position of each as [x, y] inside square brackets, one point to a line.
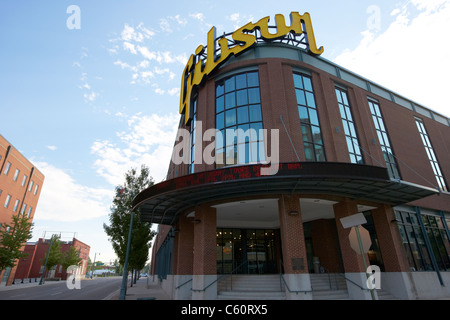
[309, 119]
[240, 97]
[431, 155]
[354, 149]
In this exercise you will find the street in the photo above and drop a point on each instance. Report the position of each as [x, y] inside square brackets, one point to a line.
[95, 289]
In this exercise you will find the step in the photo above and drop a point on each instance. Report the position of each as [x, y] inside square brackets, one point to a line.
[326, 281]
[251, 295]
[330, 295]
[270, 283]
[384, 295]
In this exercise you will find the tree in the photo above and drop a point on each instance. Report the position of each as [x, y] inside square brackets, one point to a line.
[54, 253]
[12, 239]
[70, 258]
[120, 215]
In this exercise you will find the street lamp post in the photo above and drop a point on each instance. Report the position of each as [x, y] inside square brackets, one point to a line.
[93, 265]
[46, 259]
[123, 289]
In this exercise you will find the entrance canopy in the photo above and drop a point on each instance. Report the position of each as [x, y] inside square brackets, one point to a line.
[163, 202]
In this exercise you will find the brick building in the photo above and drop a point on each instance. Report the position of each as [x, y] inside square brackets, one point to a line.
[335, 144]
[20, 187]
[31, 267]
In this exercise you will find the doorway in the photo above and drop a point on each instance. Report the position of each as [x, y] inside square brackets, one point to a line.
[247, 251]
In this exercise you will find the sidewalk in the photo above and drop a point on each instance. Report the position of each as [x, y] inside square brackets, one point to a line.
[144, 290]
[26, 284]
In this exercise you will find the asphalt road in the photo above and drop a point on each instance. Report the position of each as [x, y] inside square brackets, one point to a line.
[95, 289]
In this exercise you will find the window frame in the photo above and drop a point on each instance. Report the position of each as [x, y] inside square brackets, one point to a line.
[239, 119]
[384, 139]
[431, 155]
[311, 131]
[349, 126]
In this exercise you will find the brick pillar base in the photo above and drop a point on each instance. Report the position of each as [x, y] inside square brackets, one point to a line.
[184, 260]
[205, 251]
[389, 239]
[294, 249]
[353, 262]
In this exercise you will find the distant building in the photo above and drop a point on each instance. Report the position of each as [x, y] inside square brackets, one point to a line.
[31, 267]
[20, 187]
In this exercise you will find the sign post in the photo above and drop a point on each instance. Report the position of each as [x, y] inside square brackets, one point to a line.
[360, 244]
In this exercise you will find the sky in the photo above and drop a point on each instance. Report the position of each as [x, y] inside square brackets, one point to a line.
[90, 89]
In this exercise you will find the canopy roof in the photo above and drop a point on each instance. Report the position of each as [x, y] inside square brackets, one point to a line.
[163, 202]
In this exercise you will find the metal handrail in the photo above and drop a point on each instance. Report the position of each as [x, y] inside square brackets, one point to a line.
[285, 283]
[220, 278]
[343, 276]
[183, 284]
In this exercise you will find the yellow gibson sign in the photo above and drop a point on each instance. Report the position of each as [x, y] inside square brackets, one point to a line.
[197, 69]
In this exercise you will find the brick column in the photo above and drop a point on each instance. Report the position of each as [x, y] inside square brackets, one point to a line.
[184, 259]
[389, 240]
[184, 244]
[205, 256]
[293, 248]
[353, 262]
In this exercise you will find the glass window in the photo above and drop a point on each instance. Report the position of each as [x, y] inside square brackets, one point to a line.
[431, 155]
[24, 180]
[414, 238]
[383, 139]
[16, 174]
[348, 124]
[23, 209]
[16, 205]
[309, 119]
[8, 166]
[239, 120]
[7, 201]
[413, 241]
[192, 132]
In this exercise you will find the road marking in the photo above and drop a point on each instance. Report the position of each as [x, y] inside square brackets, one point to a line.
[56, 293]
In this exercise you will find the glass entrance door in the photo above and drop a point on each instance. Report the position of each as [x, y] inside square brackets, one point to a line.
[246, 251]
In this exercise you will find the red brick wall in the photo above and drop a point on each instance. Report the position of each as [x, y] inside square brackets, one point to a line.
[326, 244]
[292, 235]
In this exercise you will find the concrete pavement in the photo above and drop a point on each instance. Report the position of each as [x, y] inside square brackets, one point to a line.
[144, 289]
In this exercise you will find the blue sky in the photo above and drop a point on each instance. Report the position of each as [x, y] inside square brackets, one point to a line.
[85, 105]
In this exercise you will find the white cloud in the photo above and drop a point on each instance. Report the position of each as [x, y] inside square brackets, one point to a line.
[199, 16]
[145, 64]
[53, 148]
[63, 199]
[91, 96]
[167, 24]
[173, 91]
[149, 140]
[239, 19]
[411, 57]
[138, 35]
[162, 57]
[130, 47]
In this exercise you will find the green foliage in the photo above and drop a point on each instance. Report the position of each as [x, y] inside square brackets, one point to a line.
[55, 254]
[12, 238]
[70, 258]
[120, 216]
